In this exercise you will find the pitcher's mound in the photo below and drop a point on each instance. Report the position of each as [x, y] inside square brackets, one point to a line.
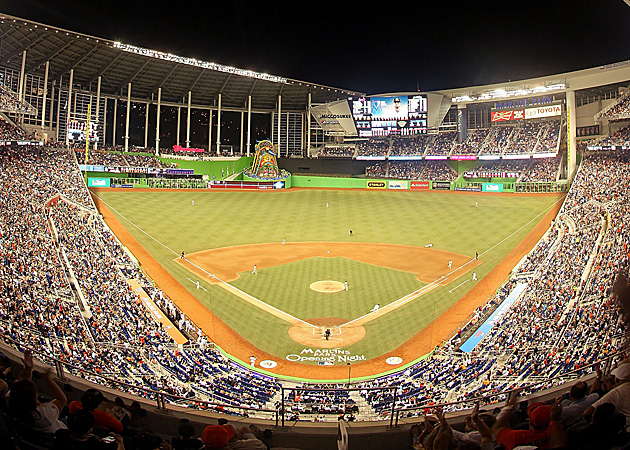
[327, 286]
[314, 336]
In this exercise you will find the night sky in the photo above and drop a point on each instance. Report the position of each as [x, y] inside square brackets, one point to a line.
[376, 48]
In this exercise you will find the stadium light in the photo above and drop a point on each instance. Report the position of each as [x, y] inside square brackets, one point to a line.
[197, 63]
[495, 94]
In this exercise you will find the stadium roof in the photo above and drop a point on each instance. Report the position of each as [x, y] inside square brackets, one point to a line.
[121, 63]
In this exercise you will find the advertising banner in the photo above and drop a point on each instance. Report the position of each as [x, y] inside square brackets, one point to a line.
[398, 184]
[504, 116]
[376, 184]
[98, 182]
[441, 185]
[420, 185]
[472, 341]
[492, 187]
[242, 185]
[543, 111]
[179, 148]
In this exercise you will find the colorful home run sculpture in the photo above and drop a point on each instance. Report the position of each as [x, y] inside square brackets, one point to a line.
[265, 165]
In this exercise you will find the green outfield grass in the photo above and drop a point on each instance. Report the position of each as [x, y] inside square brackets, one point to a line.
[165, 223]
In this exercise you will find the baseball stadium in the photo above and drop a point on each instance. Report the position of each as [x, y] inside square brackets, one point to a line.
[306, 266]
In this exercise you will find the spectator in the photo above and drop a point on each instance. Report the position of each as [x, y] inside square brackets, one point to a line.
[600, 433]
[90, 401]
[216, 437]
[539, 432]
[78, 435]
[244, 439]
[619, 397]
[24, 404]
[186, 439]
[579, 399]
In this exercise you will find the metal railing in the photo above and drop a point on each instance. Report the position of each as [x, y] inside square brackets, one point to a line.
[280, 413]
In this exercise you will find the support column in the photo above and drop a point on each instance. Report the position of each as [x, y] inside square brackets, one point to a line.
[97, 116]
[43, 124]
[69, 106]
[52, 106]
[104, 144]
[188, 121]
[21, 87]
[58, 108]
[240, 150]
[209, 130]
[146, 126]
[249, 125]
[308, 126]
[179, 124]
[22, 80]
[127, 117]
[571, 142]
[279, 119]
[157, 123]
[219, 128]
[114, 125]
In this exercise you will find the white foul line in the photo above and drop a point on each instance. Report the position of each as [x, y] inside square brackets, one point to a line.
[458, 286]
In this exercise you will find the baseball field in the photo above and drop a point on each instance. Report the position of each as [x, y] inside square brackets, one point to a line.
[370, 266]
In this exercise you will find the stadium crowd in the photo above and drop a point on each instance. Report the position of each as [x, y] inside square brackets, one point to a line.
[49, 223]
[64, 293]
[620, 109]
[564, 320]
[10, 102]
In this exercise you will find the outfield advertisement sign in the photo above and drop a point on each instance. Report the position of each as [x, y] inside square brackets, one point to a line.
[492, 187]
[441, 185]
[98, 182]
[376, 184]
[245, 185]
[325, 356]
[420, 185]
[398, 184]
[147, 170]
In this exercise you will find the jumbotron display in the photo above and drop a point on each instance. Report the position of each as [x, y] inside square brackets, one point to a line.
[76, 131]
[382, 116]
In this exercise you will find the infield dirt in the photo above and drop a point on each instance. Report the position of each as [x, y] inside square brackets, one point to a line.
[421, 343]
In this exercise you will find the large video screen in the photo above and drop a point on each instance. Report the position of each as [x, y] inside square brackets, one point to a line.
[76, 131]
[382, 116]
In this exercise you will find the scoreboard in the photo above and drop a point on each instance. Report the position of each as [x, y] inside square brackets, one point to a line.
[385, 115]
[77, 130]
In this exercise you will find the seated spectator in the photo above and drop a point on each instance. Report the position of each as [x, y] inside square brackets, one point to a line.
[244, 439]
[78, 435]
[619, 397]
[24, 404]
[119, 411]
[216, 437]
[539, 432]
[186, 439]
[138, 416]
[90, 401]
[579, 399]
[600, 433]
[472, 433]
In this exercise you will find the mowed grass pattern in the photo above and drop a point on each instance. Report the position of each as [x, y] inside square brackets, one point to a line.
[448, 221]
[288, 287]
